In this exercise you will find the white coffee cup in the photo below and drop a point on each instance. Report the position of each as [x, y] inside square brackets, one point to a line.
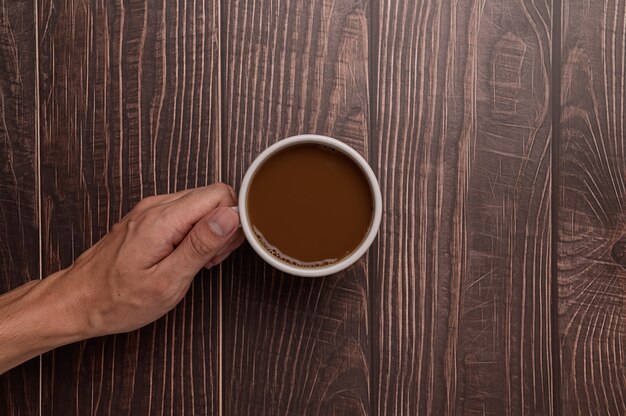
[317, 271]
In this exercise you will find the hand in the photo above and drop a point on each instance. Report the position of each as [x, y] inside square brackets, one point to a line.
[143, 267]
[134, 275]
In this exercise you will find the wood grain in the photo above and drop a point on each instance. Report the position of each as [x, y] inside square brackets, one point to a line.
[293, 346]
[129, 108]
[19, 219]
[591, 214]
[461, 320]
[452, 313]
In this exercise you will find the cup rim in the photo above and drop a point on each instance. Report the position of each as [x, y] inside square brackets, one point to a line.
[365, 168]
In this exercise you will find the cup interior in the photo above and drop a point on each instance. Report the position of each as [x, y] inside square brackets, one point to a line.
[311, 271]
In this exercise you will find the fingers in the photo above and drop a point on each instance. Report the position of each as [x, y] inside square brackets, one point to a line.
[208, 238]
[184, 212]
[198, 197]
[200, 201]
[165, 198]
[235, 242]
[167, 219]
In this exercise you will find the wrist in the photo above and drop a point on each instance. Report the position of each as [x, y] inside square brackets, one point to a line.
[60, 310]
[36, 318]
[70, 305]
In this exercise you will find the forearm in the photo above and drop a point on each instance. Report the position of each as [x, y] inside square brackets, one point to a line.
[36, 318]
[132, 276]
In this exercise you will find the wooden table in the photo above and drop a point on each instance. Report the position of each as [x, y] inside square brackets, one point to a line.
[496, 128]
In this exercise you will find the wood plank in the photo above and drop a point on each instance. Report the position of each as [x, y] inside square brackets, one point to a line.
[461, 317]
[19, 219]
[591, 214]
[293, 345]
[130, 94]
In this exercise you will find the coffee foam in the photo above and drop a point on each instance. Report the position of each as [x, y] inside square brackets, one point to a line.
[275, 252]
[326, 147]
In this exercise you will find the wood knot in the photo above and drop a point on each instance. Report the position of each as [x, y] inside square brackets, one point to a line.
[619, 252]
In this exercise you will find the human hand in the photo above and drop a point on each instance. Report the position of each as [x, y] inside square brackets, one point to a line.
[143, 267]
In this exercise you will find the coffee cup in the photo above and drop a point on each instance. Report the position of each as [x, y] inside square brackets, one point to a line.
[309, 149]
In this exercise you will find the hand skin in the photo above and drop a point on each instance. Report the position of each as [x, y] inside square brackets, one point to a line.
[137, 273]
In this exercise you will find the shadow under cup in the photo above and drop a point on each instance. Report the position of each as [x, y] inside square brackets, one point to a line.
[310, 205]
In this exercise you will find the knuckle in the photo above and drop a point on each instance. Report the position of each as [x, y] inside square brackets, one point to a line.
[199, 246]
[151, 218]
[225, 189]
[145, 203]
[221, 187]
[132, 223]
[118, 227]
[154, 217]
[142, 205]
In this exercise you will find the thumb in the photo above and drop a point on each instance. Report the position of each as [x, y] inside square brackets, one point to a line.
[205, 240]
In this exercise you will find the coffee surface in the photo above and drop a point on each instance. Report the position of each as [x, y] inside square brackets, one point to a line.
[310, 205]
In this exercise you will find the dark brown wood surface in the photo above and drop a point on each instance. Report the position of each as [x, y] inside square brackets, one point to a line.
[461, 283]
[19, 217]
[591, 215]
[129, 108]
[293, 346]
[455, 309]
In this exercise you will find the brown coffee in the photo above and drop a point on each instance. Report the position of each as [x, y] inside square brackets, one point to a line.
[310, 205]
